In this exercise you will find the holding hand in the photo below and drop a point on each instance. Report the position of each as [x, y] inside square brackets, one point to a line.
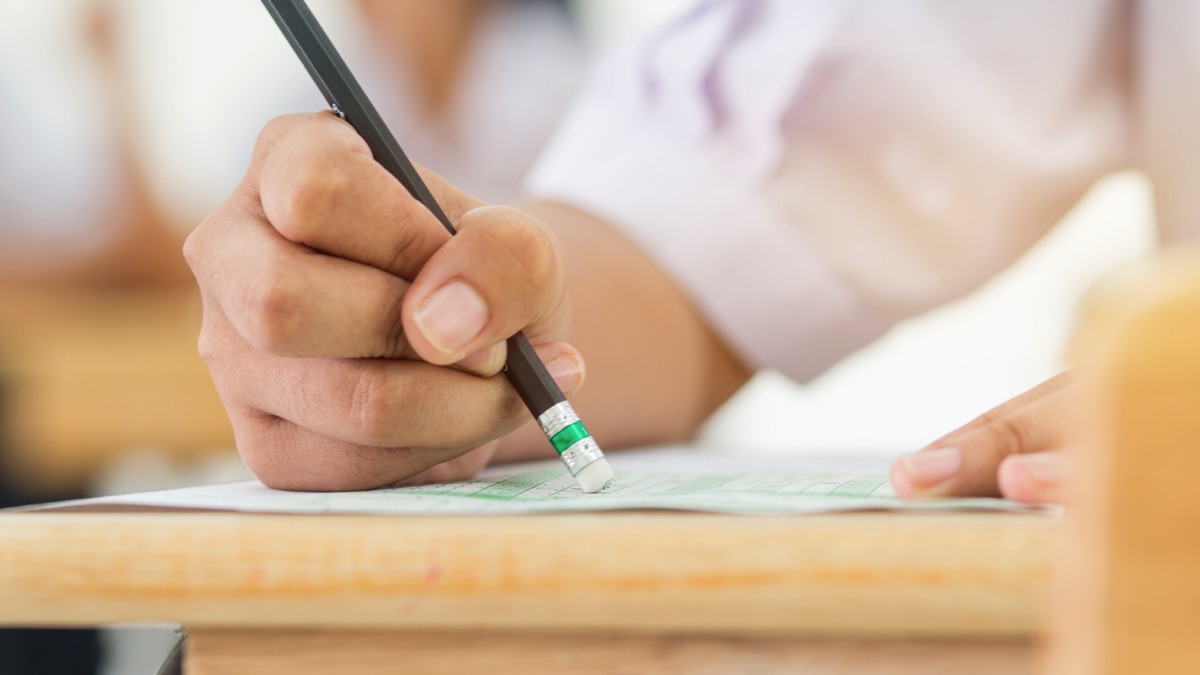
[353, 342]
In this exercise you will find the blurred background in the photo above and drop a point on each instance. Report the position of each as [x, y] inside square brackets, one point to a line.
[124, 122]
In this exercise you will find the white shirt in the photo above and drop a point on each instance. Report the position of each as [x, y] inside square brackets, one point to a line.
[813, 171]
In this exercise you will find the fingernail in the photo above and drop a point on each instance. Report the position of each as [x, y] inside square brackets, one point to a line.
[567, 371]
[452, 316]
[1043, 468]
[930, 467]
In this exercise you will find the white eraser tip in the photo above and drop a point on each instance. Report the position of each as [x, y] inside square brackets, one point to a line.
[595, 476]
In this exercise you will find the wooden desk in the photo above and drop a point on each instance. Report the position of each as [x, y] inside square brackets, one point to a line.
[592, 593]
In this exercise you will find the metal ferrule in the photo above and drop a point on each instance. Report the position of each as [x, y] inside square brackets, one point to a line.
[583, 452]
[557, 418]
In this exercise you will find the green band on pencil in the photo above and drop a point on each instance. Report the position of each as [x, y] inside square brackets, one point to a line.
[568, 437]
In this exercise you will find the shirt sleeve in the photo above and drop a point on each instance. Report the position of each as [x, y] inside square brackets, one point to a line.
[811, 172]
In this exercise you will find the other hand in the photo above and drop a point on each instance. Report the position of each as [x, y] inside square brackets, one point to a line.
[1017, 450]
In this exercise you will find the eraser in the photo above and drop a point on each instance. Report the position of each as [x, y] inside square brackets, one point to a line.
[595, 476]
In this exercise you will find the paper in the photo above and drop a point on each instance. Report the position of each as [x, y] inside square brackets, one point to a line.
[666, 479]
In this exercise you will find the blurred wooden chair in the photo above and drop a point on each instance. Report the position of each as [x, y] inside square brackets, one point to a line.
[1127, 598]
[87, 374]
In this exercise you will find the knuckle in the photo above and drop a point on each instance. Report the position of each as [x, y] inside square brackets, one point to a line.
[1011, 436]
[273, 308]
[220, 348]
[370, 408]
[208, 346]
[309, 197]
[193, 249]
[274, 131]
[271, 136]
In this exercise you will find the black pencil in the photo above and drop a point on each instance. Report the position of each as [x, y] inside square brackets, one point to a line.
[558, 420]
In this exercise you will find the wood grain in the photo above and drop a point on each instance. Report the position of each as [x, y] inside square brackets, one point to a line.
[225, 652]
[882, 574]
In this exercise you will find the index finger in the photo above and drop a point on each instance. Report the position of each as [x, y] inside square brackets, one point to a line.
[319, 186]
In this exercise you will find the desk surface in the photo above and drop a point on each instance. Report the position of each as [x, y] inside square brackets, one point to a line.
[855, 574]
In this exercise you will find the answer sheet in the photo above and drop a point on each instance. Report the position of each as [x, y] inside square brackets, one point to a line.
[674, 479]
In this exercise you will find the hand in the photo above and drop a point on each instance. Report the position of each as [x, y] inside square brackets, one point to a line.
[354, 343]
[1016, 450]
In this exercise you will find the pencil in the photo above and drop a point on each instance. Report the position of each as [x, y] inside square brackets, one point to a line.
[554, 414]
